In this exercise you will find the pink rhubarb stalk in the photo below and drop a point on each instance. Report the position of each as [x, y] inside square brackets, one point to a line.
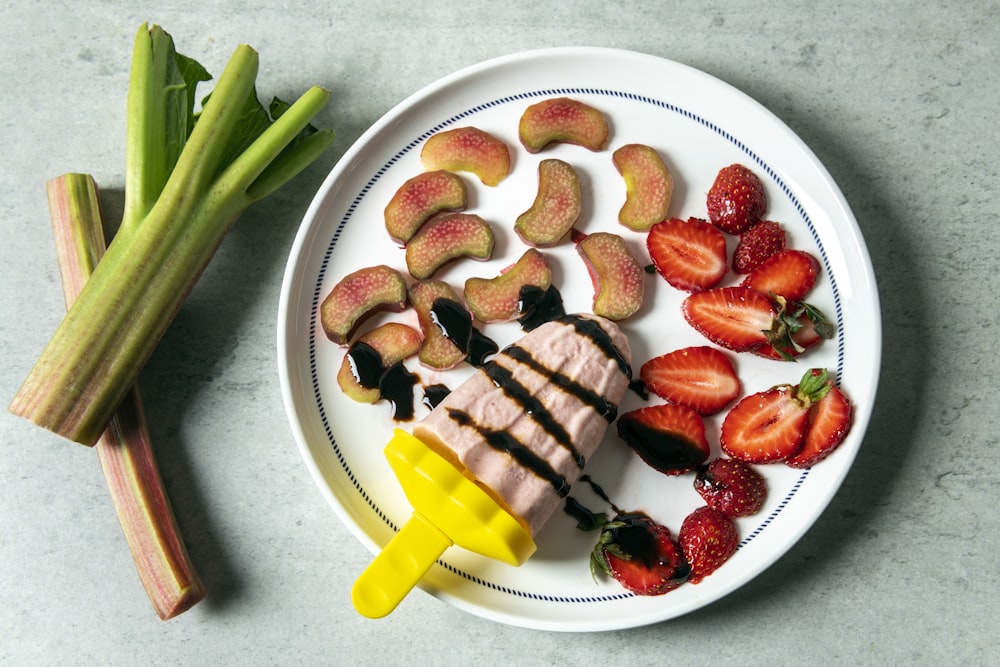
[124, 449]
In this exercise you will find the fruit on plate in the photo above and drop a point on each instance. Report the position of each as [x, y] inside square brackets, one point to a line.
[640, 554]
[467, 149]
[668, 437]
[736, 318]
[498, 299]
[445, 238]
[829, 422]
[700, 377]
[789, 273]
[708, 539]
[556, 207]
[617, 276]
[689, 254]
[798, 329]
[419, 198]
[649, 186]
[437, 351]
[372, 355]
[562, 120]
[359, 295]
[757, 244]
[773, 425]
[731, 486]
[737, 200]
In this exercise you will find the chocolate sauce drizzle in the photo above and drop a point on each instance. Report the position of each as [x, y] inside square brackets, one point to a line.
[505, 442]
[504, 379]
[395, 382]
[538, 306]
[533, 407]
[603, 406]
[455, 322]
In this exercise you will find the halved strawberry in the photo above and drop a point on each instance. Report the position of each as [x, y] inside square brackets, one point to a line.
[757, 244]
[690, 255]
[708, 538]
[668, 437]
[700, 377]
[771, 425]
[829, 422]
[735, 318]
[736, 201]
[798, 327]
[789, 273]
[731, 486]
[640, 554]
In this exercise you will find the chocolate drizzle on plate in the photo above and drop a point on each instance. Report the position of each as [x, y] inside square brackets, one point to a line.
[455, 322]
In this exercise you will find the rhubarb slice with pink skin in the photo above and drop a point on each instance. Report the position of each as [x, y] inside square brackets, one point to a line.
[498, 299]
[467, 149]
[649, 186]
[392, 342]
[358, 296]
[446, 238]
[562, 120]
[556, 207]
[421, 197]
[618, 277]
[124, 450]
[437, 351]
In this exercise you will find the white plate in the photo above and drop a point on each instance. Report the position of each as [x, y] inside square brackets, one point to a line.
[699, 125]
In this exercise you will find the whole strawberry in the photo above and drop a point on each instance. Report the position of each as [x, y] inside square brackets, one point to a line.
[731, 486]
[708, 538]
[640, 554]
[736, 201]
[757, 244]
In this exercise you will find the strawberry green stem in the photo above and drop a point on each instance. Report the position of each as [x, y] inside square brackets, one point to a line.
[152, 264]
[124, 449]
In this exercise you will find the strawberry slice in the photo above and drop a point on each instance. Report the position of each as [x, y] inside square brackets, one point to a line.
[700, 377]
[690, 255]
[771, 425]
[789, 273]
[829, 422]
[802, 333]
[757, 244]
[736, 318]
[640, 554]
[668, 437]
[708, 538]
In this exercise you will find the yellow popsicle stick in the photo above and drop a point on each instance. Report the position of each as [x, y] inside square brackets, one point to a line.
[449, 508]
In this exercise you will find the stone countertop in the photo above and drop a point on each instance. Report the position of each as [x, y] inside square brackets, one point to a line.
[898, 100]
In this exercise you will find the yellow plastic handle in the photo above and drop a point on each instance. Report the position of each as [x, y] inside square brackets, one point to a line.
[398, 567]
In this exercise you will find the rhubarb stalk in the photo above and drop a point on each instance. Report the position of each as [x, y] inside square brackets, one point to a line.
[169, 234]
[124, 449]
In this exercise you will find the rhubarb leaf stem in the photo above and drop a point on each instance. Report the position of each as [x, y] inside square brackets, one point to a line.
[124, 449]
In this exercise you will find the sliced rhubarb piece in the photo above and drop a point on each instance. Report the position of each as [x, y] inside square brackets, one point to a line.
[437, 351]
[649, 186]
[445, 238]
[421, 197]
[359, 295]
[617, 275]
[467, 149]
[562, 120]
[556, 207]
[498, 299]
[371, 355]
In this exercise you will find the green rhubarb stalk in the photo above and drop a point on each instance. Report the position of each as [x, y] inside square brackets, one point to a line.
[229, 161]
[124, 449]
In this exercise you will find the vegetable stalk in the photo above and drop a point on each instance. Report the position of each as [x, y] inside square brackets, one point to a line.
[124, 449]
[165, 241]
